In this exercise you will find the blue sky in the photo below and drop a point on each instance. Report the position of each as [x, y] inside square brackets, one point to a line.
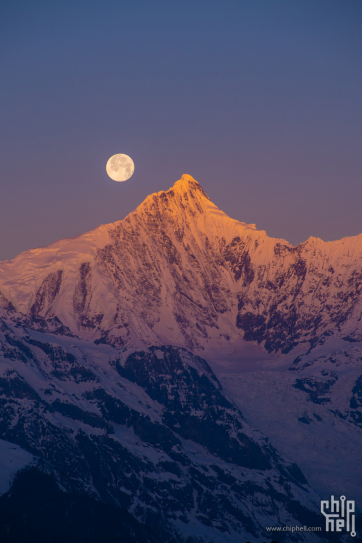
[260, 101]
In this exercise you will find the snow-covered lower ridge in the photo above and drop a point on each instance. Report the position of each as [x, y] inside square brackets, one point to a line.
[179, 271]
[151, 431]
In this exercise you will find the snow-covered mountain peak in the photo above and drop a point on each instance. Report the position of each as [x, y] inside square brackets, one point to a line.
[178, 270]
[187, 182]
[179, 197]
[186, 205]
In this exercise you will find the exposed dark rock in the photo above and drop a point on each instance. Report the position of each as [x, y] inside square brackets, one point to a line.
[65, 364]
[167, 378]
[76, 413]
[315, 389]
[47, 292]
[35, 510]
[356, 400]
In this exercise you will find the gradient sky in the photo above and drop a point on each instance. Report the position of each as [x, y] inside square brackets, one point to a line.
[260, 101]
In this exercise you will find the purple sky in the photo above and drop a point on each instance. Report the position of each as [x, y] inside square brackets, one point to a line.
[260, 101]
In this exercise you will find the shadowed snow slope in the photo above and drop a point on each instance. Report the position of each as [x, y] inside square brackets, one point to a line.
[149, 431]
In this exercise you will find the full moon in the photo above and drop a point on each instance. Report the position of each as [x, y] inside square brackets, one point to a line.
[120, 167]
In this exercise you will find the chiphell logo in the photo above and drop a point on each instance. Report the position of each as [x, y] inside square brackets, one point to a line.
[340, 515]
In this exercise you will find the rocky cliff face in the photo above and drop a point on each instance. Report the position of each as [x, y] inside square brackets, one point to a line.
[179, 271]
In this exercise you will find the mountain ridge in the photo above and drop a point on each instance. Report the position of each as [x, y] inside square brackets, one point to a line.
[181, 184]
[178, 270]
[102, 230]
